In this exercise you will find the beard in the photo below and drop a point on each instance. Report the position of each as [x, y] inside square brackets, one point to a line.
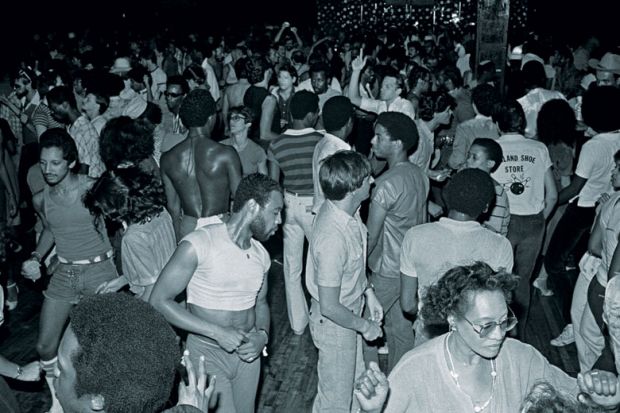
[259, 229]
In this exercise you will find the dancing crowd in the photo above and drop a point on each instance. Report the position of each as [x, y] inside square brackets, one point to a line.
[140, 177]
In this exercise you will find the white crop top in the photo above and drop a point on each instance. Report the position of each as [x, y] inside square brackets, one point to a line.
[227, 277]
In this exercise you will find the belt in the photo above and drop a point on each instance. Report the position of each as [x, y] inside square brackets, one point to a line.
[296, 193]
[93, 260]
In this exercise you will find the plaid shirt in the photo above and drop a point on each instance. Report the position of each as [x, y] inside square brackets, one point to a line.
[13, 119]
[87, 141]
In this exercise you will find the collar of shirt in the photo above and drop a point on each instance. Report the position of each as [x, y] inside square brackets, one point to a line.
[298, 132]
[480, 116]
[339, 216]
[512, 137]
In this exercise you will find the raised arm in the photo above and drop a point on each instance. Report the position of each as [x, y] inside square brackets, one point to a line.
[354, 91]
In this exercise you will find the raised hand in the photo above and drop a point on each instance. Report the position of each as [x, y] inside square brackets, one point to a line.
[359, 62]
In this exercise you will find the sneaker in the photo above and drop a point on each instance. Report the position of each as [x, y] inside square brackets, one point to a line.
[540, 283]
[565, 338]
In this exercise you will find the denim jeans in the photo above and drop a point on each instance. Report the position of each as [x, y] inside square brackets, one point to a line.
[573, 226]
[297, 226]
[398, 329]
[525, 233]
[340, 363]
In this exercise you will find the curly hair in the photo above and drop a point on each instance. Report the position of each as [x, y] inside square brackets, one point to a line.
[127, 353]
[451, 294]
[196, 108]
[470, 192]
[544, 398]
[125, 140]
[254, 186]
[126, 194]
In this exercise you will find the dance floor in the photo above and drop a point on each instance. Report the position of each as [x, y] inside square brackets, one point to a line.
[289, 373]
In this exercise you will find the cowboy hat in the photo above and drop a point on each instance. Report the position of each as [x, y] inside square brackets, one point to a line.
[609, 63]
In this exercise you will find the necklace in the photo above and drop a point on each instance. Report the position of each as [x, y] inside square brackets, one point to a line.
[477, 407]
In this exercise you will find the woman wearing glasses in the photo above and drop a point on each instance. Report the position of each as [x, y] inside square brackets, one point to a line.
[473, 367]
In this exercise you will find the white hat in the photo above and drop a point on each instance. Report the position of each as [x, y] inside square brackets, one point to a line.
[121, 65]
[609, 63]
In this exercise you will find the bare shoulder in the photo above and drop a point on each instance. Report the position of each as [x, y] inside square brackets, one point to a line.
[37, 200]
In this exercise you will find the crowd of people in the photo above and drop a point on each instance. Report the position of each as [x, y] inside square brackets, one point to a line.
[426, 192]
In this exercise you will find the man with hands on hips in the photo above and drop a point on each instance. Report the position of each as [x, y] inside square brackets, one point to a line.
[336, 281]
[224, 269]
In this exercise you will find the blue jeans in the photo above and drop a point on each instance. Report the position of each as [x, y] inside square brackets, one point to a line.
[340, 363]
[525, 233]
[398, 329]
[297, 226]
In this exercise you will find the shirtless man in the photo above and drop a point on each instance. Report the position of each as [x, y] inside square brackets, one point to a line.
[199, 174]
[224, 269]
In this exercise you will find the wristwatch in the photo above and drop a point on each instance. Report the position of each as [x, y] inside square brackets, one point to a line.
[20, 371]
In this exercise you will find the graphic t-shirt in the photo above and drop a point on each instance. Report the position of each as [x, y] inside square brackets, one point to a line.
[522, 173]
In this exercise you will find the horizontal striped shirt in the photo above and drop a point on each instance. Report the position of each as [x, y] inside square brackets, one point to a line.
[293, 151]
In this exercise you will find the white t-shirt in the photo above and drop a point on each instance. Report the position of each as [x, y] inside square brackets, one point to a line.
[596, 163]
[429, 250]
[379, 106]
[522, 173]
[327, 146]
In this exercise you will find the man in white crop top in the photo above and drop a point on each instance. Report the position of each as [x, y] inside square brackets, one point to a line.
[224, 269]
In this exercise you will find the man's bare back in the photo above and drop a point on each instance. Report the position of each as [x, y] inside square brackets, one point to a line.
[200, 176]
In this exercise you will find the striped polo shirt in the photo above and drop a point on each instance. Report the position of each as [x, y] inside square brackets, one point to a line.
[293, 151]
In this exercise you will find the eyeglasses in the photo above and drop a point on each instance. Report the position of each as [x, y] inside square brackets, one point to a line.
[237, 117]
[505, 325]
[172, 95]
